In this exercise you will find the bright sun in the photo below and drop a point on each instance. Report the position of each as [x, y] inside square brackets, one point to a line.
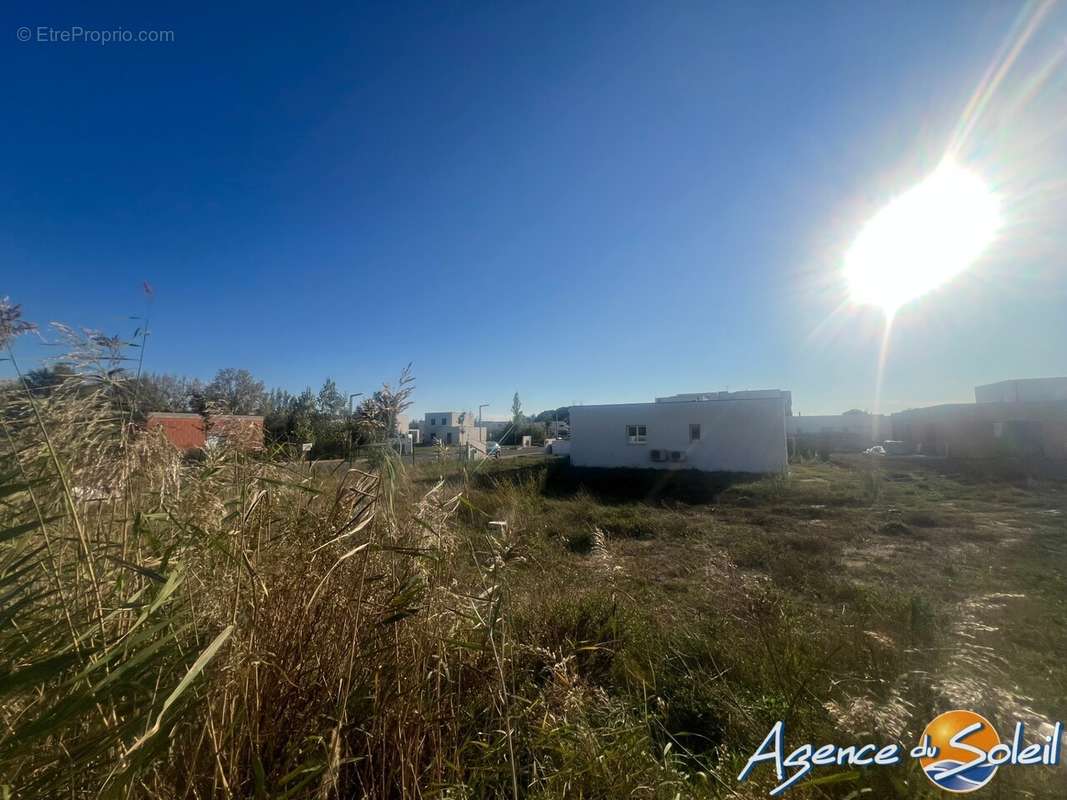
[923, 238]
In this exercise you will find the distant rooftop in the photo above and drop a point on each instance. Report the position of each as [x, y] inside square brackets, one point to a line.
[748, 394]
[1022, 390]
[705, 397]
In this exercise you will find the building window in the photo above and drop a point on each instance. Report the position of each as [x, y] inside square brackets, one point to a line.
[694, 431]
[636, 434]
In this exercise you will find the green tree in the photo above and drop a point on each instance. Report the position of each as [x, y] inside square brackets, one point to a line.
[279, 401]
[237, 391]
[561, 414]
[302, 416]
[43, 379]
[377, 415]
[516, 410]
[165, 392]
[331, 402]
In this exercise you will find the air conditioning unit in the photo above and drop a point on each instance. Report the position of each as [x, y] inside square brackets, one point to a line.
[658, 455]
[677, 455]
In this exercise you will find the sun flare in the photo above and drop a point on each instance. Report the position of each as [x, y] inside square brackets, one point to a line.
[922, 238]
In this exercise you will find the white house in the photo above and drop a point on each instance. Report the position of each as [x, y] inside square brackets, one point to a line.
[739, 432]
[452, 427]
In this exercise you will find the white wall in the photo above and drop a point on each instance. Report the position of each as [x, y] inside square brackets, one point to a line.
[558, 447]
[459, 435]
[736, 435]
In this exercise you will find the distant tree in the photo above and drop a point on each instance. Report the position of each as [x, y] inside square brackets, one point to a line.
[236, 391]
[561, 414]
[148, 397]
[305, 402]
[516, 410]
[11, 322]
[165, 392]
[854, 411]
[302, 416]
[377, 414]
[45, 378]
[303, 428]
[289, 418]
[277, 401]
[277, 412]
[331, 402]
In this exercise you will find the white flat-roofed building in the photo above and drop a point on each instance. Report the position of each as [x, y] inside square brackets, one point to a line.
[714, 432]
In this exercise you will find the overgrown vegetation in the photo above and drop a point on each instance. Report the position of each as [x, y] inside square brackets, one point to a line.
[230, 627]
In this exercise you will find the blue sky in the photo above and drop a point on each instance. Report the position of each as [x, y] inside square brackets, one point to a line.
[581, 202]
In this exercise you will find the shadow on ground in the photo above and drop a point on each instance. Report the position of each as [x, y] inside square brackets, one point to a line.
[561, 480]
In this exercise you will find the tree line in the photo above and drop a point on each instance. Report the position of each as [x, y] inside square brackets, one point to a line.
[322, 418]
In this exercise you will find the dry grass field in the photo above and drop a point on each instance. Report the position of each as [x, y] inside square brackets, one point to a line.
[230, 626]
[855, 599]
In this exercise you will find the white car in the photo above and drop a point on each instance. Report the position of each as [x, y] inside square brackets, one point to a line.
[877, 450]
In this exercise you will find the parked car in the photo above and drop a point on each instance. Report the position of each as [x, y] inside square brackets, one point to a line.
[877, 450]
[492, 449]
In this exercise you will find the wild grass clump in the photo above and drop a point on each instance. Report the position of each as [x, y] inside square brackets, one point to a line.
[227, 626]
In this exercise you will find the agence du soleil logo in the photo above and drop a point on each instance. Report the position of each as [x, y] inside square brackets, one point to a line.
[960, 752]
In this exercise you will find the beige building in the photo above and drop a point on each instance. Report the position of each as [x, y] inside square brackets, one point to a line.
[452, 427]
